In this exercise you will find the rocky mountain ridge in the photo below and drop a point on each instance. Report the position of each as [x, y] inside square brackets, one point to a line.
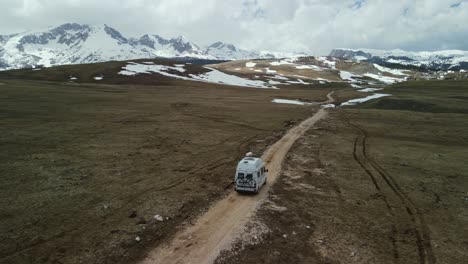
[74, 43]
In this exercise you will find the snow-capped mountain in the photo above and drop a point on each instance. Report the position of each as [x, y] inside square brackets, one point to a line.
[174, 47]
[73, 43]
[226, 51]
[437, 60]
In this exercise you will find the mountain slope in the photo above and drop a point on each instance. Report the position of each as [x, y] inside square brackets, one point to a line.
[226, 51]
[66, 44]
[438, 60]
[73, 43]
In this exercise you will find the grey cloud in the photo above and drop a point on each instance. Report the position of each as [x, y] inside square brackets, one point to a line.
[313, 26]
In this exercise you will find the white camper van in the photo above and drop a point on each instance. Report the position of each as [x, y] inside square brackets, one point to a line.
[251, 175]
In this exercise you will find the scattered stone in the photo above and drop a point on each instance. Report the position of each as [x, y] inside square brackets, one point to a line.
[158, 218]
[320, 241]
[285, 236]
[353, 254]
[137, 239]
[308, 227]
[272, 206]
[133, 214]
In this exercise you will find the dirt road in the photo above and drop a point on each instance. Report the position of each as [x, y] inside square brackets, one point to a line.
[218, 227]
[330, 98]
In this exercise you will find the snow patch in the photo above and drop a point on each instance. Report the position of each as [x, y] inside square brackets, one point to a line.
[287, 101]
[180, 67]
[369, 90]
[308, 67]
[330, 63]
[280, 77]
[328, 106]
[365, 99]
[360, 58]
[299, 81]
[250, 64]
[282, 62]
[98, 78]
[347, 76]
[135, 68]
[274, 82]
[213, 76]
[392, 71]
[384, 79]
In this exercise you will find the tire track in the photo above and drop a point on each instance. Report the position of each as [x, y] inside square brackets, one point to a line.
[375, 171]
[358, 142]
[423, 235]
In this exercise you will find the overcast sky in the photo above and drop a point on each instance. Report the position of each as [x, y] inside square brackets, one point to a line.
[313, 26]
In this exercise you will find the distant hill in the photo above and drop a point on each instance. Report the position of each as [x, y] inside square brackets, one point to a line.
[435, 61]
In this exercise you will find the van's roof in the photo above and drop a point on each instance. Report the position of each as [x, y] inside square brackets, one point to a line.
[250, 160]
[249, 163]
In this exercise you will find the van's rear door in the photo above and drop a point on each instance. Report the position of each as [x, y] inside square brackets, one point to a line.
[246, 180]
